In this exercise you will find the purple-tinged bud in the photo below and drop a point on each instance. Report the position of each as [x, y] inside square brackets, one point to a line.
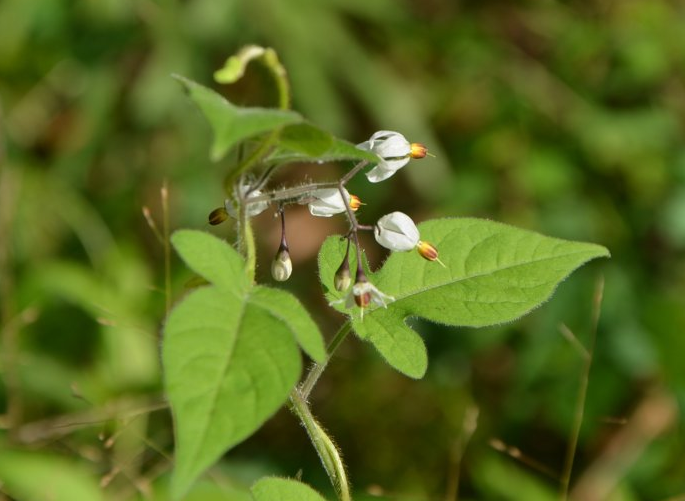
[282, 265]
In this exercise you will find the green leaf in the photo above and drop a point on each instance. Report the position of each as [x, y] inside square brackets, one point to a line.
[283, 489]
[400, 345]
[494, 273]
[288, 309]
[232, 124]
[229, 354]
[212, 258]
[308, 143]
[36, 476]
[229, 366]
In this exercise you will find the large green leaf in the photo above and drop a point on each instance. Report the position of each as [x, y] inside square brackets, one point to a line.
[305, 142]
[283, 489]
[230, 355]
[34, 476]
[232, 124]
[493, 273]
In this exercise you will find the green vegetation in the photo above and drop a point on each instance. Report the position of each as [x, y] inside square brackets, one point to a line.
[564, 119]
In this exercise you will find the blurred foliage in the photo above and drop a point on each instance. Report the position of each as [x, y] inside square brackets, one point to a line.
[562, 117]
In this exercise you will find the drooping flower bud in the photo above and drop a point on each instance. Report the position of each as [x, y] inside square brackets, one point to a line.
[218, 216]
[393, 151]
[327, 202]
[363, 293]
[343, 278]
[282, 265]
[396, 231]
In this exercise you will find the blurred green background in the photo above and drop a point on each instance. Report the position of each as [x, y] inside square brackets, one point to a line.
[562, 117]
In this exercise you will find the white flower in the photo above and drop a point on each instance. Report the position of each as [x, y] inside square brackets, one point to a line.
[252, 209]
[397, 232]
[362, 294]
[328, 202]
[393, 150]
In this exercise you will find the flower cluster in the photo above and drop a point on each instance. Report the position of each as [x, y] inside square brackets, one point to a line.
[395, 231]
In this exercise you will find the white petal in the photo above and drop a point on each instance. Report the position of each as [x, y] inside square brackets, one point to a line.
[397, 232]
[253, 208]
[379, 173]
[393, 147]
[328, 202]
[256, 207]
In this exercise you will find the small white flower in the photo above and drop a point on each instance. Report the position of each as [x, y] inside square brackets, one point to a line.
[393, 150]
[252, 209]
[327, 202]
[363, 293]
[397, 232]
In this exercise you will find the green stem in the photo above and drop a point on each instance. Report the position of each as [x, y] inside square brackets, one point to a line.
[582, 394]
[166, 242]
[324, 445]
[317, 369]
[247, 244]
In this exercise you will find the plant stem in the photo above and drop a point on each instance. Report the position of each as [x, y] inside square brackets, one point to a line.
[247, 245]
[582, 393]
[290, 195]
[324, 445]
[317, 369]
[166, 242]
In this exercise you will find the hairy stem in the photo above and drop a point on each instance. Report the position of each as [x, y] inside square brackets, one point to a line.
[324, 445]
[247, 244]
[295, 194]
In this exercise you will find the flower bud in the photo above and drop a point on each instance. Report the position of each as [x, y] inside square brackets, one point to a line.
[282, 265]
[218, 216]
[397, 232]
[343, 278]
